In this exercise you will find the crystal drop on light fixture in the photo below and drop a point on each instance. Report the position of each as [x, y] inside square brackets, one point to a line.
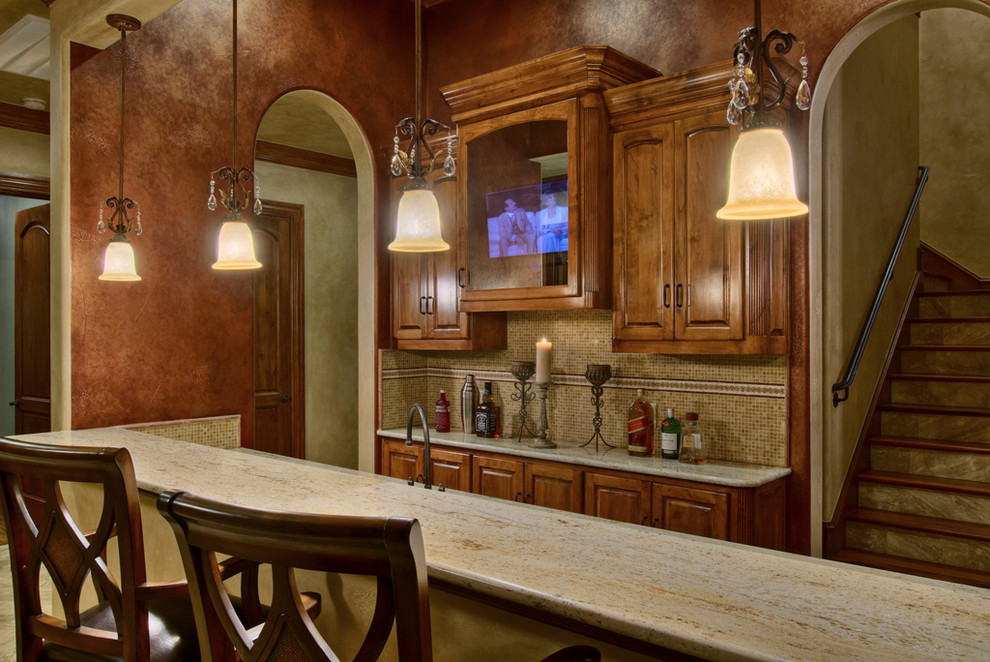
[802, 98]
[733, 115]
[449, 166]
[257, 206]
[138, 230]
[396, 167]
[211, 202]
[101, 227]
[740, 94]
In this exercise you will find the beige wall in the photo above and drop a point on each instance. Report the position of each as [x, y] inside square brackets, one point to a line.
[331, 275]
[955, 134]
[24, 153]
[871, 161]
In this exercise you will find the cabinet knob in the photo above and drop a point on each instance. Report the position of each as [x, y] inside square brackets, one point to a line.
[284, 398]
[15, 402]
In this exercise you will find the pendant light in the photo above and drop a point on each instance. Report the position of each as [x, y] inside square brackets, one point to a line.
[417, 224]
[235, 244]
[761, 173]
[118, 261]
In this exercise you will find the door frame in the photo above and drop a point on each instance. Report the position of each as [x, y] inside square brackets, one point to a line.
[294, 214]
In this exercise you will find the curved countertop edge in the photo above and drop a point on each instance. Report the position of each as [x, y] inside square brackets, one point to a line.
[714, 472]
[712, 599]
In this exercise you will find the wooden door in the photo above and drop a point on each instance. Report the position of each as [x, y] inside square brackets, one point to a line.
[279, 423]
[32, 321]
[500, 478]
[554, 486]
[689, 510]
[444, 320]
[644, 234]
[401, 461]
[709, 257]
[613, 497]
[451, 469]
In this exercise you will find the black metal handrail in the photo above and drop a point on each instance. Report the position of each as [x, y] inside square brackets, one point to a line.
[864, 334]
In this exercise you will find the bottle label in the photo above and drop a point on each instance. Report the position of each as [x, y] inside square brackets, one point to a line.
[484, 424]
[668, 442]
[637, 424]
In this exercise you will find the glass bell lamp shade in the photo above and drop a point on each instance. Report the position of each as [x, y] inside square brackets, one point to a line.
[235, 248]
[417, 228]
[118, 261]
[761, 178]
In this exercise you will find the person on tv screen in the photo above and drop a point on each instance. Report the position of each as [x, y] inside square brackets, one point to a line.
[516, 233]
[551, 225]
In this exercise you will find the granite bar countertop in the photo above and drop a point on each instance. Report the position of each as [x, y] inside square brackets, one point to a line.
[715, 472]
[712, 599]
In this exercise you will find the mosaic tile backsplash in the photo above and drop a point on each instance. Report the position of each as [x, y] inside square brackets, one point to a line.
[740, 400]
[215, 431]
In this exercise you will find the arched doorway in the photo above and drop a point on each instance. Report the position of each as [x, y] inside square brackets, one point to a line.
[311, 152]
[828, 463]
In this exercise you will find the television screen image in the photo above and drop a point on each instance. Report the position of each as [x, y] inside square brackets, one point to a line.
[530, 220]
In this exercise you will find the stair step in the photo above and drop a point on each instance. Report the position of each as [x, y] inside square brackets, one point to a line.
[948, 390]
[946, 359]
[923, 377]
[912, 422]
[913, 567]
[944, 348]
[931, 444]
[974, 487]
[948, 320]
[937, 410]
[954, 293]
[933, 525]
[926, 457]
[949, 331]
[954, 303]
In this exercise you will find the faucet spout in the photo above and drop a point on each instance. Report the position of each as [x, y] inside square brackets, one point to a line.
[426, 441]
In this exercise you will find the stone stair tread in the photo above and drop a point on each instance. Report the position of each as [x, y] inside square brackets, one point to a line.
[948, 320]
[923, 523]
[949, 410]
[932, 444]
[913, 567]
[953, 293]
[975, 487]
[935, 377]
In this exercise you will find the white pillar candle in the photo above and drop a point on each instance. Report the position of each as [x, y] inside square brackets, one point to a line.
[543, 361]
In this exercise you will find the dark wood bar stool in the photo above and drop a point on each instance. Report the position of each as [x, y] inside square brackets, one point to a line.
[134, 620]
[390, 549]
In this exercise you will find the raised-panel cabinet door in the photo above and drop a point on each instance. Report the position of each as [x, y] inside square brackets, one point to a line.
[450, 469]
[443, 317]
[554, 486]
[612, 497]
[401, 461]
[643, 162]
[32, 322]
[500, 478]
[688, 510]
[708, 294]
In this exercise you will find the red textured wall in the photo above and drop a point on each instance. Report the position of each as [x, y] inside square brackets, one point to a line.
[179, 343]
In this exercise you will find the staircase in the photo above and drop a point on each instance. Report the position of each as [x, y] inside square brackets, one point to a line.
[919, 501]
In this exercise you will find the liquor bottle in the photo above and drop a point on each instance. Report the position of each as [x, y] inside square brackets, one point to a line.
[670, 437]
[469, 398]
[692, 442]
[443, 413]
[485, 414]
[640, 427]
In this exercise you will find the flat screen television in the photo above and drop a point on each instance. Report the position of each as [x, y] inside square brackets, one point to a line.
[530, 220]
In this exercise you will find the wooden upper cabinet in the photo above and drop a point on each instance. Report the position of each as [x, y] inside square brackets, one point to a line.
[535, 219]
[426, 310]
[685, 281]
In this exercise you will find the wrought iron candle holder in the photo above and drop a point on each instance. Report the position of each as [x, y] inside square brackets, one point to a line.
[522, 371]
[597, 375]
[542, 439]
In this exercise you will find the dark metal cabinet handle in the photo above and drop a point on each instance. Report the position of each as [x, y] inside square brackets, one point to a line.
[656, 520]
[527, 498]
[460, 272]
[15, 402]
[666, 296]
[645, 519]
[516, 498]
[422, 305]
[677, 296]
[429, 305]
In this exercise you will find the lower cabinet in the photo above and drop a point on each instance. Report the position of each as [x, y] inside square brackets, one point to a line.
[748, 515]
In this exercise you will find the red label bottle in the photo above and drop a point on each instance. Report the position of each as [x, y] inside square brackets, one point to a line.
[443, 413]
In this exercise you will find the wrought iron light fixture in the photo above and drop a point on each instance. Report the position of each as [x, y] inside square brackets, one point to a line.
[761, 176]
[417, 228]
[118, 261]
[235, 246]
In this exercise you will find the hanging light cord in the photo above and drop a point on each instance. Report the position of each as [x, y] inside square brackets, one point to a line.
[233, 162]
[123, 77]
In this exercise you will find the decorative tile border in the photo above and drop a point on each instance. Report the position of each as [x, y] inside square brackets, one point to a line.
[708, 387]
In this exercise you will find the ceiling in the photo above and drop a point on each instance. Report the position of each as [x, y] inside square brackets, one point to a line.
[24, 51]
[301, 123]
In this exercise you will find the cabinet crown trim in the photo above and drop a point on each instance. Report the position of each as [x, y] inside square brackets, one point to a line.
[546, 79]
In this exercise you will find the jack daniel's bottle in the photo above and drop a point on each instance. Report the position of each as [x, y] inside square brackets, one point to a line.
[486, 415]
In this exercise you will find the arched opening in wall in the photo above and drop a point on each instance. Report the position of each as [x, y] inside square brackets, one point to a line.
[314, 356]
[878, 114]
